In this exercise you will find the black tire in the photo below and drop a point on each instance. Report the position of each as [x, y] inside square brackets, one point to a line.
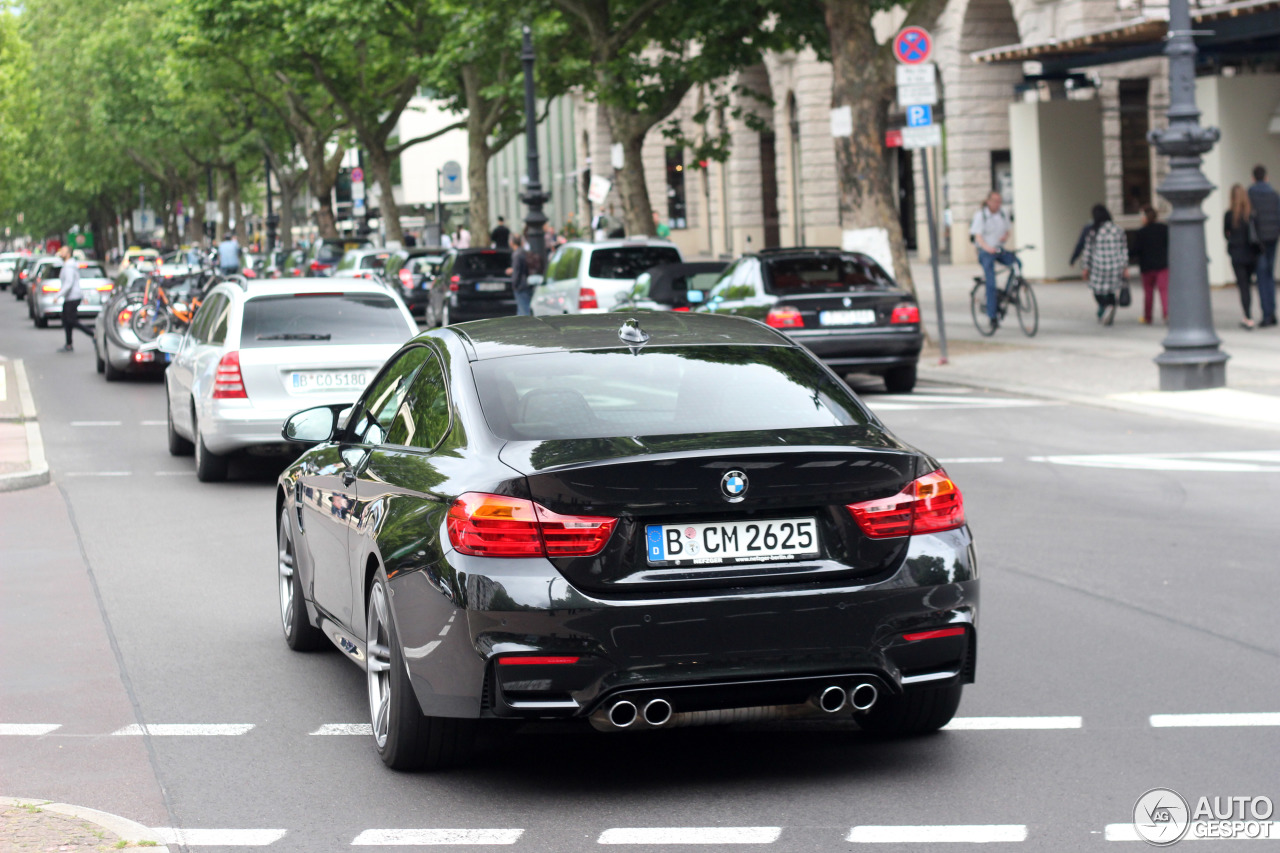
[41, 322]
[210, 467]
[900, 380]
[299, 633]
[1024, 301]
[178, 446]
[918, 711]
[97, 357]
[978, 308]
[404, 737]
[110, 372]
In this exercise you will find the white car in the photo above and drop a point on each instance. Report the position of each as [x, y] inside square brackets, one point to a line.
[44, 296]
[258, 352]
[588, 278]
[8, 268]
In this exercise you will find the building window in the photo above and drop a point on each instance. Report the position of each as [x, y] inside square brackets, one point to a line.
[1135, 151]
[677, 212]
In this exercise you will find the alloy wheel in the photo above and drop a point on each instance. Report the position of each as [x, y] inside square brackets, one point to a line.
[378, 665]
[285, 563]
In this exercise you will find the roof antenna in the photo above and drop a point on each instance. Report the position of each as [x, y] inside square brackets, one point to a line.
[633, 336]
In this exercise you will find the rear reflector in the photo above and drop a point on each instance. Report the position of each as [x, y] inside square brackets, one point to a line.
[483, 525]
[905, 314]
[933, 635]
[587, 299]
[536, 661]
[228, 383]
[930, 504]
[142, 357]
[784, 317]
[406, 277]
[123, 318]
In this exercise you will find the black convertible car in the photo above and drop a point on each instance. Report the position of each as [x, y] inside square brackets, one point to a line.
[685, 520]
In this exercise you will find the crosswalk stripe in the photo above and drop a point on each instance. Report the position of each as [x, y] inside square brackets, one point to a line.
[184, 729]
[219, 837]
[976, 834]
[691, 835]
[1164, 721]
[1013, 723]
[428, 837]
[28, 729]
[345, 729]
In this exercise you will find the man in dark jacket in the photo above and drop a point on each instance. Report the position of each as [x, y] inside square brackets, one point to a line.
[1266, 209]
[519, 272]
[1151, 253]
[500, 237]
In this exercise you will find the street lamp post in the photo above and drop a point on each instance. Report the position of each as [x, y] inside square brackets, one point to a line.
[1191, 359]
[272, 220]
[533, 196]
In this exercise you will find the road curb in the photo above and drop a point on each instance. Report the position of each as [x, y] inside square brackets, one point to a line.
[126, 829]
[37, 473]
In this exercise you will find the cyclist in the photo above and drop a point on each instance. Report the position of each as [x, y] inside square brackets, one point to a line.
[989, 230]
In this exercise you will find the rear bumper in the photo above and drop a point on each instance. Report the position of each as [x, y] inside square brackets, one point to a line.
[227, 428]
[716, 650]
[869, 350]
[122, 358]
[51, 306]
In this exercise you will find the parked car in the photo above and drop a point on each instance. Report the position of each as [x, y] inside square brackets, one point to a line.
[671, 287]
[324, 255]
[688, 520]
[584, 278]
[841, 305]
[21, 272]
[258, 352]
[44, 295]
[117, 349]
[363, 263]
[8, 268]
[473, 284]
[284, 264]
[136, 255]
[414, 270]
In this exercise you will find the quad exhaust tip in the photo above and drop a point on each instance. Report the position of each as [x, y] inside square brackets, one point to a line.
[657, 712]
[623, 713]
[863, 697]
[832, 699]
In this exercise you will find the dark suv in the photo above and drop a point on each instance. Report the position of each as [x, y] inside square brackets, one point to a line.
[841, 305]
[324, 255]
[473, 284]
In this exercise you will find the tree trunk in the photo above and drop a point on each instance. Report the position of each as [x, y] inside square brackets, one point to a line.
[478, 155]
[288, 195]
[637, 212]
[322, 174]
[224, 208]
[195, 227]
[172, 235]
[380, 164]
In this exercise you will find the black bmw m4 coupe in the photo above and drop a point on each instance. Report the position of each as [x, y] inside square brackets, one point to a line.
[680, 521]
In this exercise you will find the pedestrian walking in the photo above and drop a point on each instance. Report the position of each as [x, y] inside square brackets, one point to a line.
[501, 235]
[461, 238]
[519, 272]
[988, 231]
[1151, 254]
[1266, 210]
[1240, 227]
[193, 255]
[660, 229]
[229, 256]
[1106, 255]
[72, 296]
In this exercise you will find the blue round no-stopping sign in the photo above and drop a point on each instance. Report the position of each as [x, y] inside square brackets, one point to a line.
[912, 46]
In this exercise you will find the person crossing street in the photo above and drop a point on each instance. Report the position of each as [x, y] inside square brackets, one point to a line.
[72, 296]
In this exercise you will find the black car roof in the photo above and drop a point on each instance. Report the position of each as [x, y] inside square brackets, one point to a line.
[505, 336]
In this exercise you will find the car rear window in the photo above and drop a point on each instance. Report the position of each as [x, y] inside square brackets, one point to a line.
[373, 262]
[824, 274]
[483, 263]
[669, 391]
[629, 261]
[322, 318]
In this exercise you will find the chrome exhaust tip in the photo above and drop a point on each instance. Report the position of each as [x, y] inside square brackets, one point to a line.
[863, 697]
[831, 700]
[622, 714]
[657, 712]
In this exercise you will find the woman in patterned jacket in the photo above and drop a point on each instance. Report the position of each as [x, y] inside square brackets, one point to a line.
[1106, 255]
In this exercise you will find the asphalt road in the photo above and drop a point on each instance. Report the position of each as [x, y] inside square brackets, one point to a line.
[1115, 588]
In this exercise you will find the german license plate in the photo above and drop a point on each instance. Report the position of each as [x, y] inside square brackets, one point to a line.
[304, 381]
[761, 541]
[855, 317]
[491, 286]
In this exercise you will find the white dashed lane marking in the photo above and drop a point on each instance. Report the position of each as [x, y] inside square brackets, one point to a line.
[219, 837]
[976, 724]
[1169, 721]
[95, 423]
[185, 729]
[1234, 462]
[434, 837]
[365, 729]
[28, 729]
[692, 835]
[975, 834]
[1266, 830]
[972, 460]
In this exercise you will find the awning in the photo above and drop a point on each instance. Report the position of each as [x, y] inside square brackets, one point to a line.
[1247, 27]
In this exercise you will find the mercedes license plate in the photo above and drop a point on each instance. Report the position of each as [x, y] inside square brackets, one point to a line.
[856, 317]
[304, 381]
[491, 286]
[766, 540]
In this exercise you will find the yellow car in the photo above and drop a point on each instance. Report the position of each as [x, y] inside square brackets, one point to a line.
[136, 254]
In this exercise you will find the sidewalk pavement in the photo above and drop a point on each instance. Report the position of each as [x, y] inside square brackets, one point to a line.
[1075, 359]
[22, 462]
[27, 824]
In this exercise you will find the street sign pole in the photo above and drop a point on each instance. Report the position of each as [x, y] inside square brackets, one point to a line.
[933, 252]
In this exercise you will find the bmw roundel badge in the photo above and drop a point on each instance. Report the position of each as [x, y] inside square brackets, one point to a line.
[734, 486]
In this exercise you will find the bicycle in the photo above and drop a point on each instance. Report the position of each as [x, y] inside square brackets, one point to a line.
[1016, 291]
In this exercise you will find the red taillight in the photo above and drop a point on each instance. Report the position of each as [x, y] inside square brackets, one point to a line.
[22, 274]
[406, 277]
[928, 505]
[905, 314]
[123, 318]
[141, 357]
[529, 660]
[784, 317]
[51, 288]
[250, 274]
[933, 635]
[453, 282]
[107, 286]
[228, 383]
[316, 266]
[681, 308]
[587, 299]
[483, 525]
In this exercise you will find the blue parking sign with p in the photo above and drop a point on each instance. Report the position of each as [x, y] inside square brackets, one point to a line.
[919, 116]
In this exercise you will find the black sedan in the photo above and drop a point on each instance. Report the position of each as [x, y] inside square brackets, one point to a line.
[841, 305]
[471, 284]
[686, 520]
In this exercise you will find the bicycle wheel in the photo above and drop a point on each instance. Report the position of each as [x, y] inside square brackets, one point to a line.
[1024, 299]
[149, 323]
[978, 308]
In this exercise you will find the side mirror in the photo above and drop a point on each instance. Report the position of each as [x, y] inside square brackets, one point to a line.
[312, 426]
[693, 297]
[535, 280]
[169, 342]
